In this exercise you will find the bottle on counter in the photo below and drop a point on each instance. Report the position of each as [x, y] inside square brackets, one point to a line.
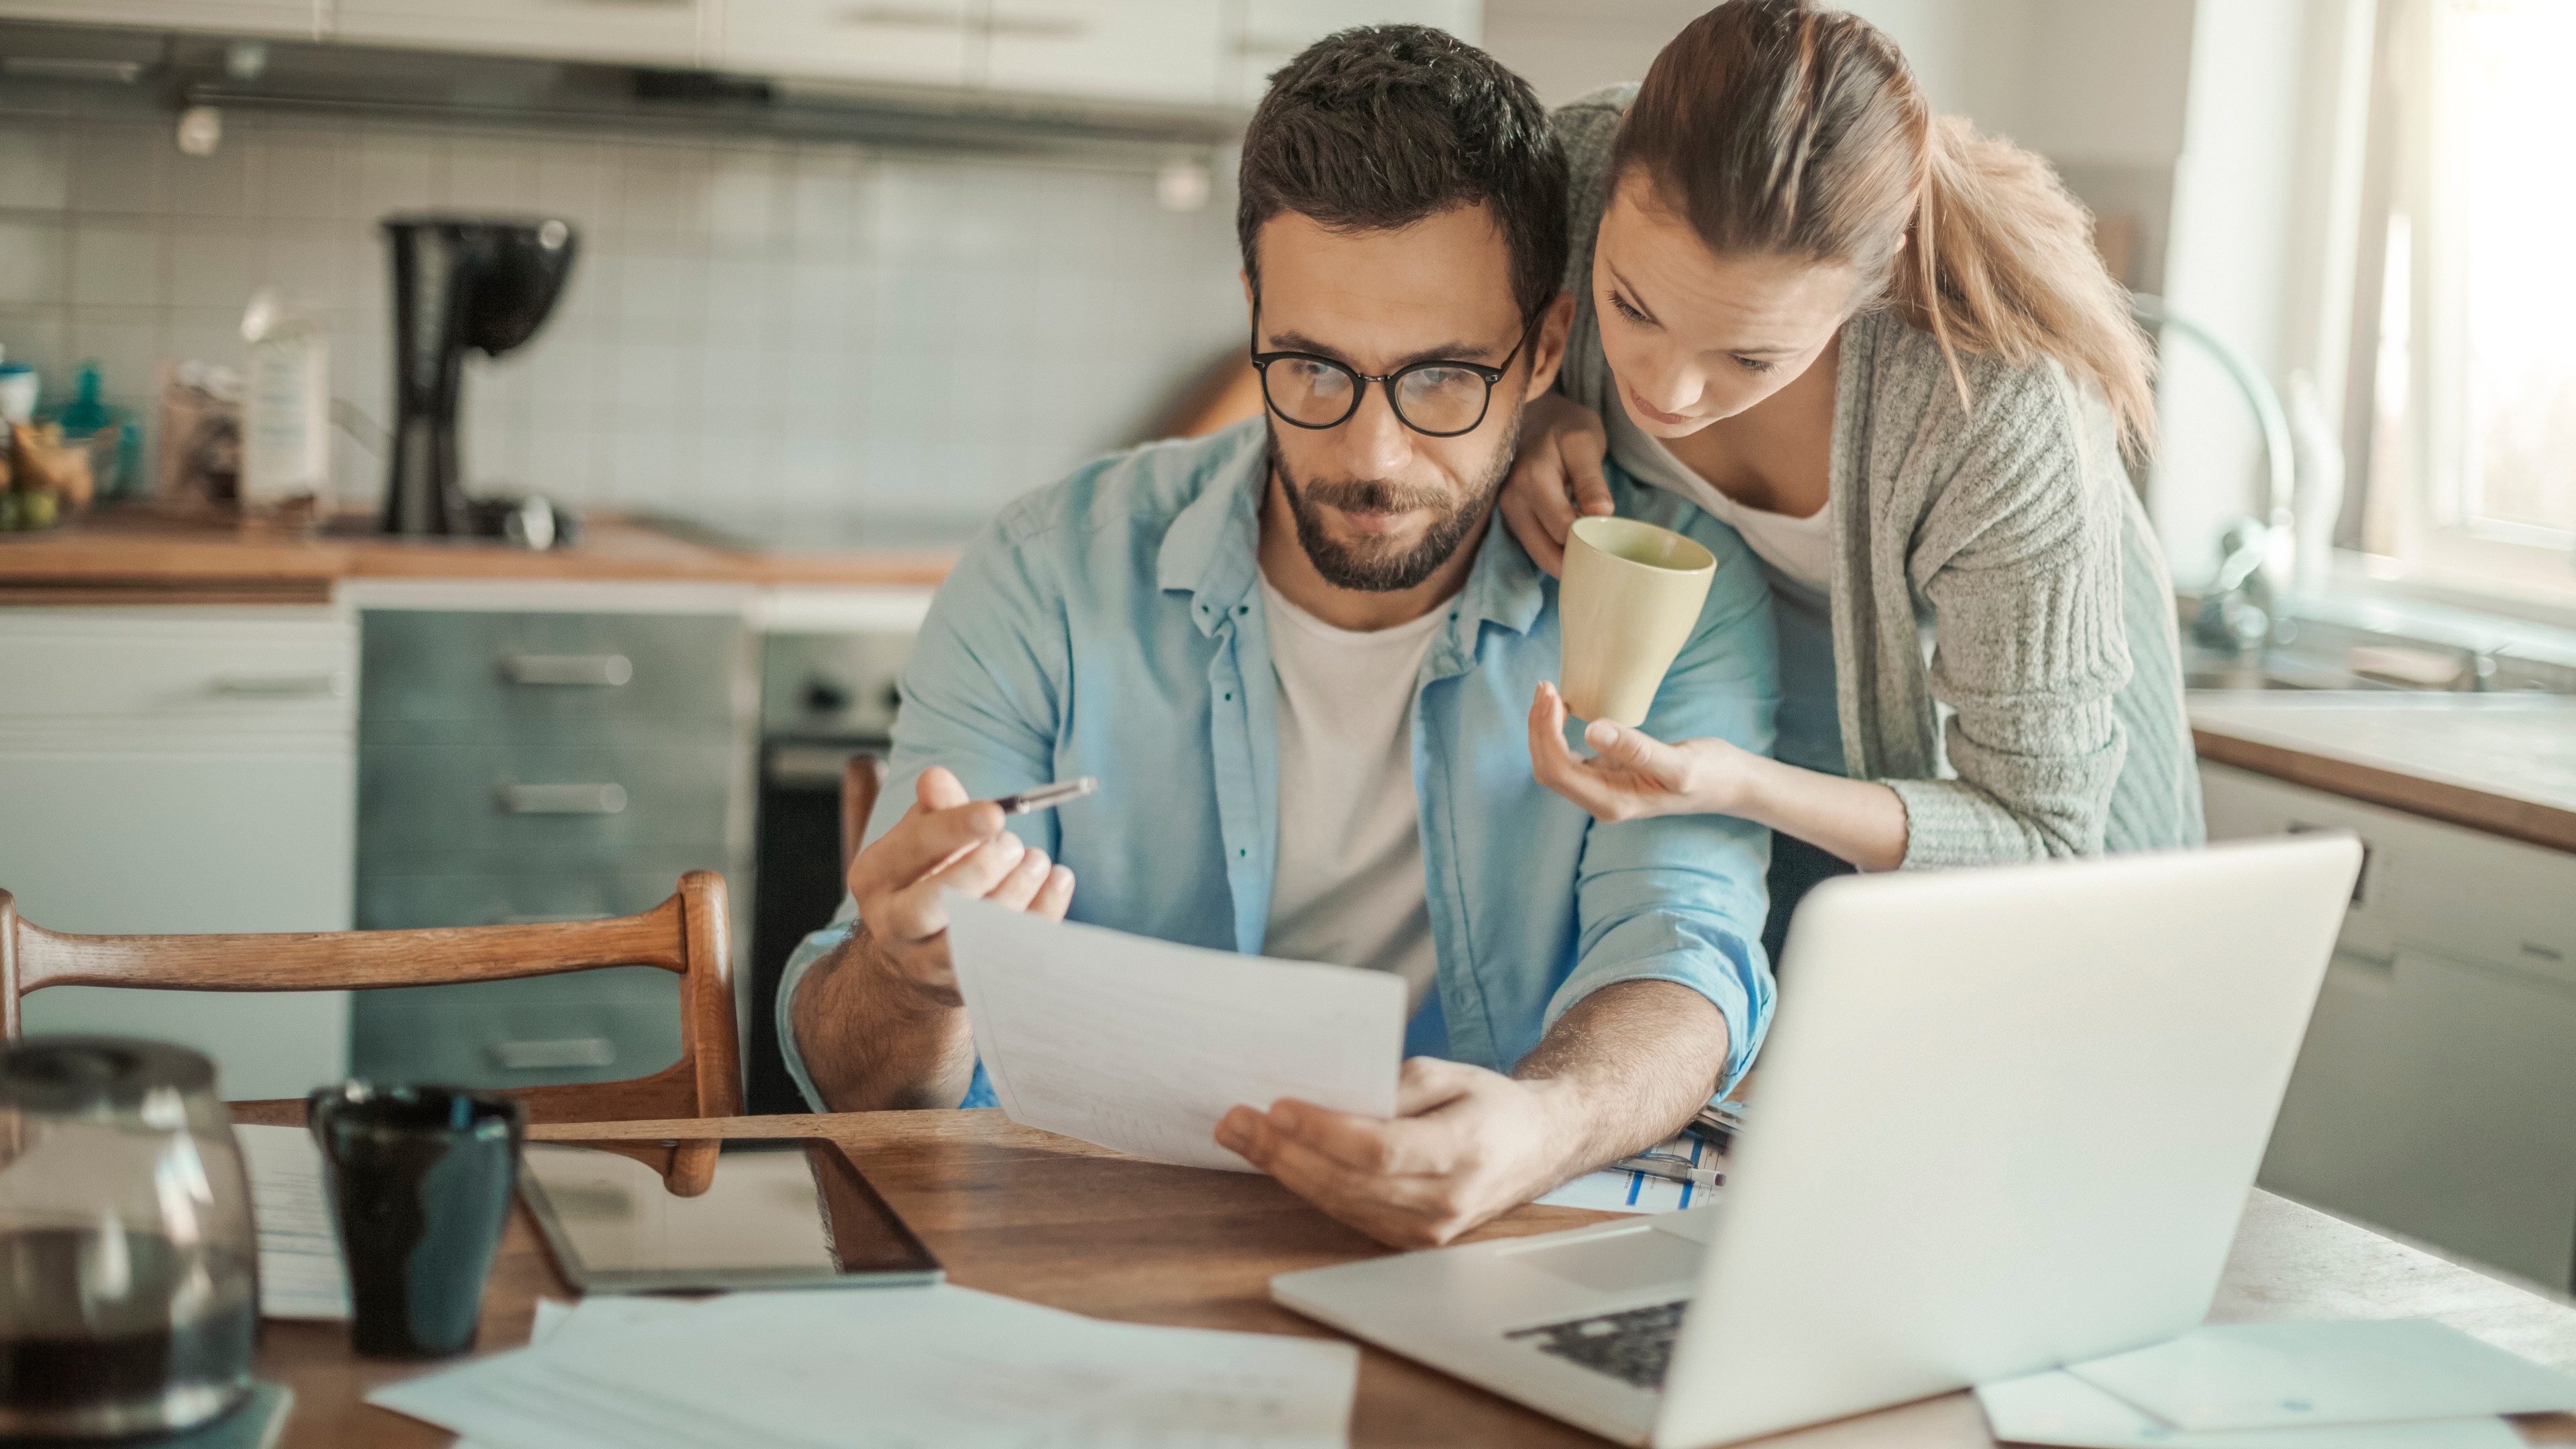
[286, 407]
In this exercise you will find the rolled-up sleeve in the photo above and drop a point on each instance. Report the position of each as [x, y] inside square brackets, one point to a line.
[1681, 898]
[981, 697]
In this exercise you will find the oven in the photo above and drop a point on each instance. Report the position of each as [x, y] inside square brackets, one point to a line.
[825, 695]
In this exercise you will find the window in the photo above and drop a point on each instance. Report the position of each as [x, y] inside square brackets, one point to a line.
[2464, 381]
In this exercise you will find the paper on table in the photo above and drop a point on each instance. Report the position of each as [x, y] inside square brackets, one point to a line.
[1614, 1191]
[897, 1367]
[591, 1315]
[2265, 1375]
[2056, 1407]
[300, 1274]
[1141, 1045]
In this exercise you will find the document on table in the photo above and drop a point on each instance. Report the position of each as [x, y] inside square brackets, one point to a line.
[2272, 1375]
[300, 1273]
[903, 1368]
[2058, 1408]
[1613, 1190]
[1141, 1045]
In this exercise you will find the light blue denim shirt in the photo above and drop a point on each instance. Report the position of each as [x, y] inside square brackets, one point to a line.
[1112, 625]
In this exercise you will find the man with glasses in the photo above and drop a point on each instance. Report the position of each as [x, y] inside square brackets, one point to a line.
[1302, 662]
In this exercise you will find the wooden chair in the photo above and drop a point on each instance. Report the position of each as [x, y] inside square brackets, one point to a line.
[862, 781]
[688, 934]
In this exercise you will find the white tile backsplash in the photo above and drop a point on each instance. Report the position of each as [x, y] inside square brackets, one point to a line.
[35, 167]
[754, 329]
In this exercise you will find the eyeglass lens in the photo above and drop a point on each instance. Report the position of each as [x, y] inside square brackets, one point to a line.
[1430, 398]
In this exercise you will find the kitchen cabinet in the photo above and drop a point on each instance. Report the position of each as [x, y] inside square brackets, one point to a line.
[184, 770]
[519, 766]
[1148, 50]
[2432, 1092]
[295, 19]
[906, 42]
[647, 32]
[1268, 33]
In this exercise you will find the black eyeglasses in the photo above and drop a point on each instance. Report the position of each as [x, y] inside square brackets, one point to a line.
[1438, 399]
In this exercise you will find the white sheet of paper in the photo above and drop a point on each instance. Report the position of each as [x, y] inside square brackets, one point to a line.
[1141, 1045]
[591, 1315]
[1613, 1191]
[897, 1367]
[2056, 1407]
[2270, 1375]
[300, 1273]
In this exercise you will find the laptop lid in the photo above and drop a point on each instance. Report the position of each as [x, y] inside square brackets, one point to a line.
[2008, 1119]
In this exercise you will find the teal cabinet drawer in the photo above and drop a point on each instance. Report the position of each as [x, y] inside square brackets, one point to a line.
[586, 1026]
[428, 674]
[467, 891]
[563, 806]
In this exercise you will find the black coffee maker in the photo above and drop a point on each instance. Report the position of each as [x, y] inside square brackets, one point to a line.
[459, 281]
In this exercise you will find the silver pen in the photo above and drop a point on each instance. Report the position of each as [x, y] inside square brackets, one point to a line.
[1047, 797]
[1671, 1168]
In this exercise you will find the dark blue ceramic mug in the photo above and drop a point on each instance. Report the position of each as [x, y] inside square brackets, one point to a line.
[419, 1180]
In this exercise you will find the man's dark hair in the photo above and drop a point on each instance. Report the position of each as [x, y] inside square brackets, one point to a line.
[1380, 126]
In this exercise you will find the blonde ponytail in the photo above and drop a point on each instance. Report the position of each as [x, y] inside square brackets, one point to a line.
[2003, 264]
[1778, 126]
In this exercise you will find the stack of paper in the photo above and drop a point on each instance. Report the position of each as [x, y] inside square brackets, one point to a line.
[2389, 1384]
[300, 1274]
[929, 1367]
[1620, 1190]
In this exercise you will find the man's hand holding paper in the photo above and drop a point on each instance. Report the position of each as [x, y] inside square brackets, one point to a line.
[1464, 1145]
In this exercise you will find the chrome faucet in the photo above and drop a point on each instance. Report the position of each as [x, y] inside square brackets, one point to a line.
[2241, 609]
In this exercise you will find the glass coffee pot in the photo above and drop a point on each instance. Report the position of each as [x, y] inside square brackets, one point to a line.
[128, 1298]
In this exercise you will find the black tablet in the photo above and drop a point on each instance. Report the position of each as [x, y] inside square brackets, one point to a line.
[781, 1213]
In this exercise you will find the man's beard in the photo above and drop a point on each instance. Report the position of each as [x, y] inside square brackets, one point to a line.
[1382, 566]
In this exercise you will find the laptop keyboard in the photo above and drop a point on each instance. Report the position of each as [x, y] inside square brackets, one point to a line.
[1635, 1344]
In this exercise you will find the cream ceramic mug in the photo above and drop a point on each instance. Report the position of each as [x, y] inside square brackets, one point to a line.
[1631, 596]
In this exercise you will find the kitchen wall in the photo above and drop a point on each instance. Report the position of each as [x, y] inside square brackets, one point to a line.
[756, 330]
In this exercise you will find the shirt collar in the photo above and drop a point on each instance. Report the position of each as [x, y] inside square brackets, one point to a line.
[1212, 549]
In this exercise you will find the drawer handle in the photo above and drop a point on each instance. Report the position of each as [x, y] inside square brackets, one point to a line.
[538, 1056]
[589, 670]
[331, 683]
[903, 17]
[563, 799]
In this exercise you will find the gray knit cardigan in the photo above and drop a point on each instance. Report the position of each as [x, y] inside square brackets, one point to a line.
[2008, 527]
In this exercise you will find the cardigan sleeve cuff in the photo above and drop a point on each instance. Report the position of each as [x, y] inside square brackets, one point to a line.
[1950, 824]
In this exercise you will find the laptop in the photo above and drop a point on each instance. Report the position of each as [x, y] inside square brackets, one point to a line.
[2007, 1119]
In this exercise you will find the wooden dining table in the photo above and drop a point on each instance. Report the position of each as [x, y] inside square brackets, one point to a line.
[1017, 1211]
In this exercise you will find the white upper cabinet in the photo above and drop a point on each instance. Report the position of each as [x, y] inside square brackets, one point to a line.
[298, 19]
[912, 42]
[1144, 50]
[1167, 52]
[647, 32]
[1269, 32]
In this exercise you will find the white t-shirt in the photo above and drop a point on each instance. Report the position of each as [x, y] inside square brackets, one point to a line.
[1801, 548]
[1349, 887]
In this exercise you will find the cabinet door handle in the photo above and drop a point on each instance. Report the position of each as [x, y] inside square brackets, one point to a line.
[330, 683]
[593, 670]
[903, 17]
[563, 799]
[538, 1056]
[1035, 27]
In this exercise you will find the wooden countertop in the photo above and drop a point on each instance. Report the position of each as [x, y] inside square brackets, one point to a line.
[123, 554]
[2501, 763]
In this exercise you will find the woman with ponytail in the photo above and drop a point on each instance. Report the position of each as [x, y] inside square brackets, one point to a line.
[1882, 347]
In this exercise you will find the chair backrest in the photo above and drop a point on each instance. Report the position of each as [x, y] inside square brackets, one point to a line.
[688, 934]
[862, 780]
